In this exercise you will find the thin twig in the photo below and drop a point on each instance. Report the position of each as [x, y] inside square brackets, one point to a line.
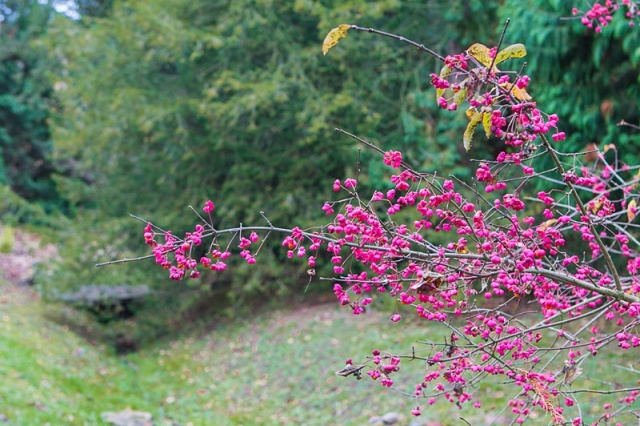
[399, 38]
[504, 31]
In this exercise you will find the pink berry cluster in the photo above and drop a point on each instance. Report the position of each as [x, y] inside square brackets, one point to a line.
[496, 252]
[502, 104]
[568, 253]
[178, 255]
[600, 15]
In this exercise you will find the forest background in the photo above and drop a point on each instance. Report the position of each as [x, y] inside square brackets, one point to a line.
[110, 108]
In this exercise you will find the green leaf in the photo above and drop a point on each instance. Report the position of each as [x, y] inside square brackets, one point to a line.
[471, 128]
[444, 72]
[510, 52]
[461, 95]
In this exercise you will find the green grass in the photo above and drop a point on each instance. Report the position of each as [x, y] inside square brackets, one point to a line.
[276, 368]
[269, 369]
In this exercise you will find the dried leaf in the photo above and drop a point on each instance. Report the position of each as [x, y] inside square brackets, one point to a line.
[514, 51]
[571, 372]
[356, 370]
[592, 153]
[458, 389]
[471, 128]
[632, 210]
[429, 284]
[334, 36]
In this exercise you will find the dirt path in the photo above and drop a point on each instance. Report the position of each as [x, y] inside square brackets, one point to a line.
[27, 250]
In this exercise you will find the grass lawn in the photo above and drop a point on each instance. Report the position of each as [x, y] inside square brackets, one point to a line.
[271, 369]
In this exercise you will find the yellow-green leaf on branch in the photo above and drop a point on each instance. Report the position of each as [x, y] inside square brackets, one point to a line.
[444, 72]
[481, 53]
[471, 128]
[632, 209]
[486, 123]
[510, 52]
[334, 36]
[516, 92]
[461, 95]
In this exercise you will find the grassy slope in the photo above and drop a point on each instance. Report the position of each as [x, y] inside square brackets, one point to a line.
[270, 370]
[275, 369]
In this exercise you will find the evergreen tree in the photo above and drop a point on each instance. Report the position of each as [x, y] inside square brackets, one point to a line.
[567, 60]
[25, 97]
[168, 103]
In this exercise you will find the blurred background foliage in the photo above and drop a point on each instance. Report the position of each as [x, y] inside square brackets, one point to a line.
[149, 106]
[25, 98]
[590, 80]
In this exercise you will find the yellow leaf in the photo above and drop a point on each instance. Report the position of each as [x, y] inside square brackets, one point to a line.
[481, 53]
[486, 123]
[631, 210]
[610, 146]
[514, 51]
[516, 92]
[471, 111]
[461, 249]
[520, 94]
[471, 127]
[334, 36]
[594, 205]
[547, 224]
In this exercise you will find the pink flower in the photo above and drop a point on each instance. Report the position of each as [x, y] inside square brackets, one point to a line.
[396, 317]
[393, 158]
[327, 208]
[208, 207]
[350, 183]
[176, 274]
[468, 207]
